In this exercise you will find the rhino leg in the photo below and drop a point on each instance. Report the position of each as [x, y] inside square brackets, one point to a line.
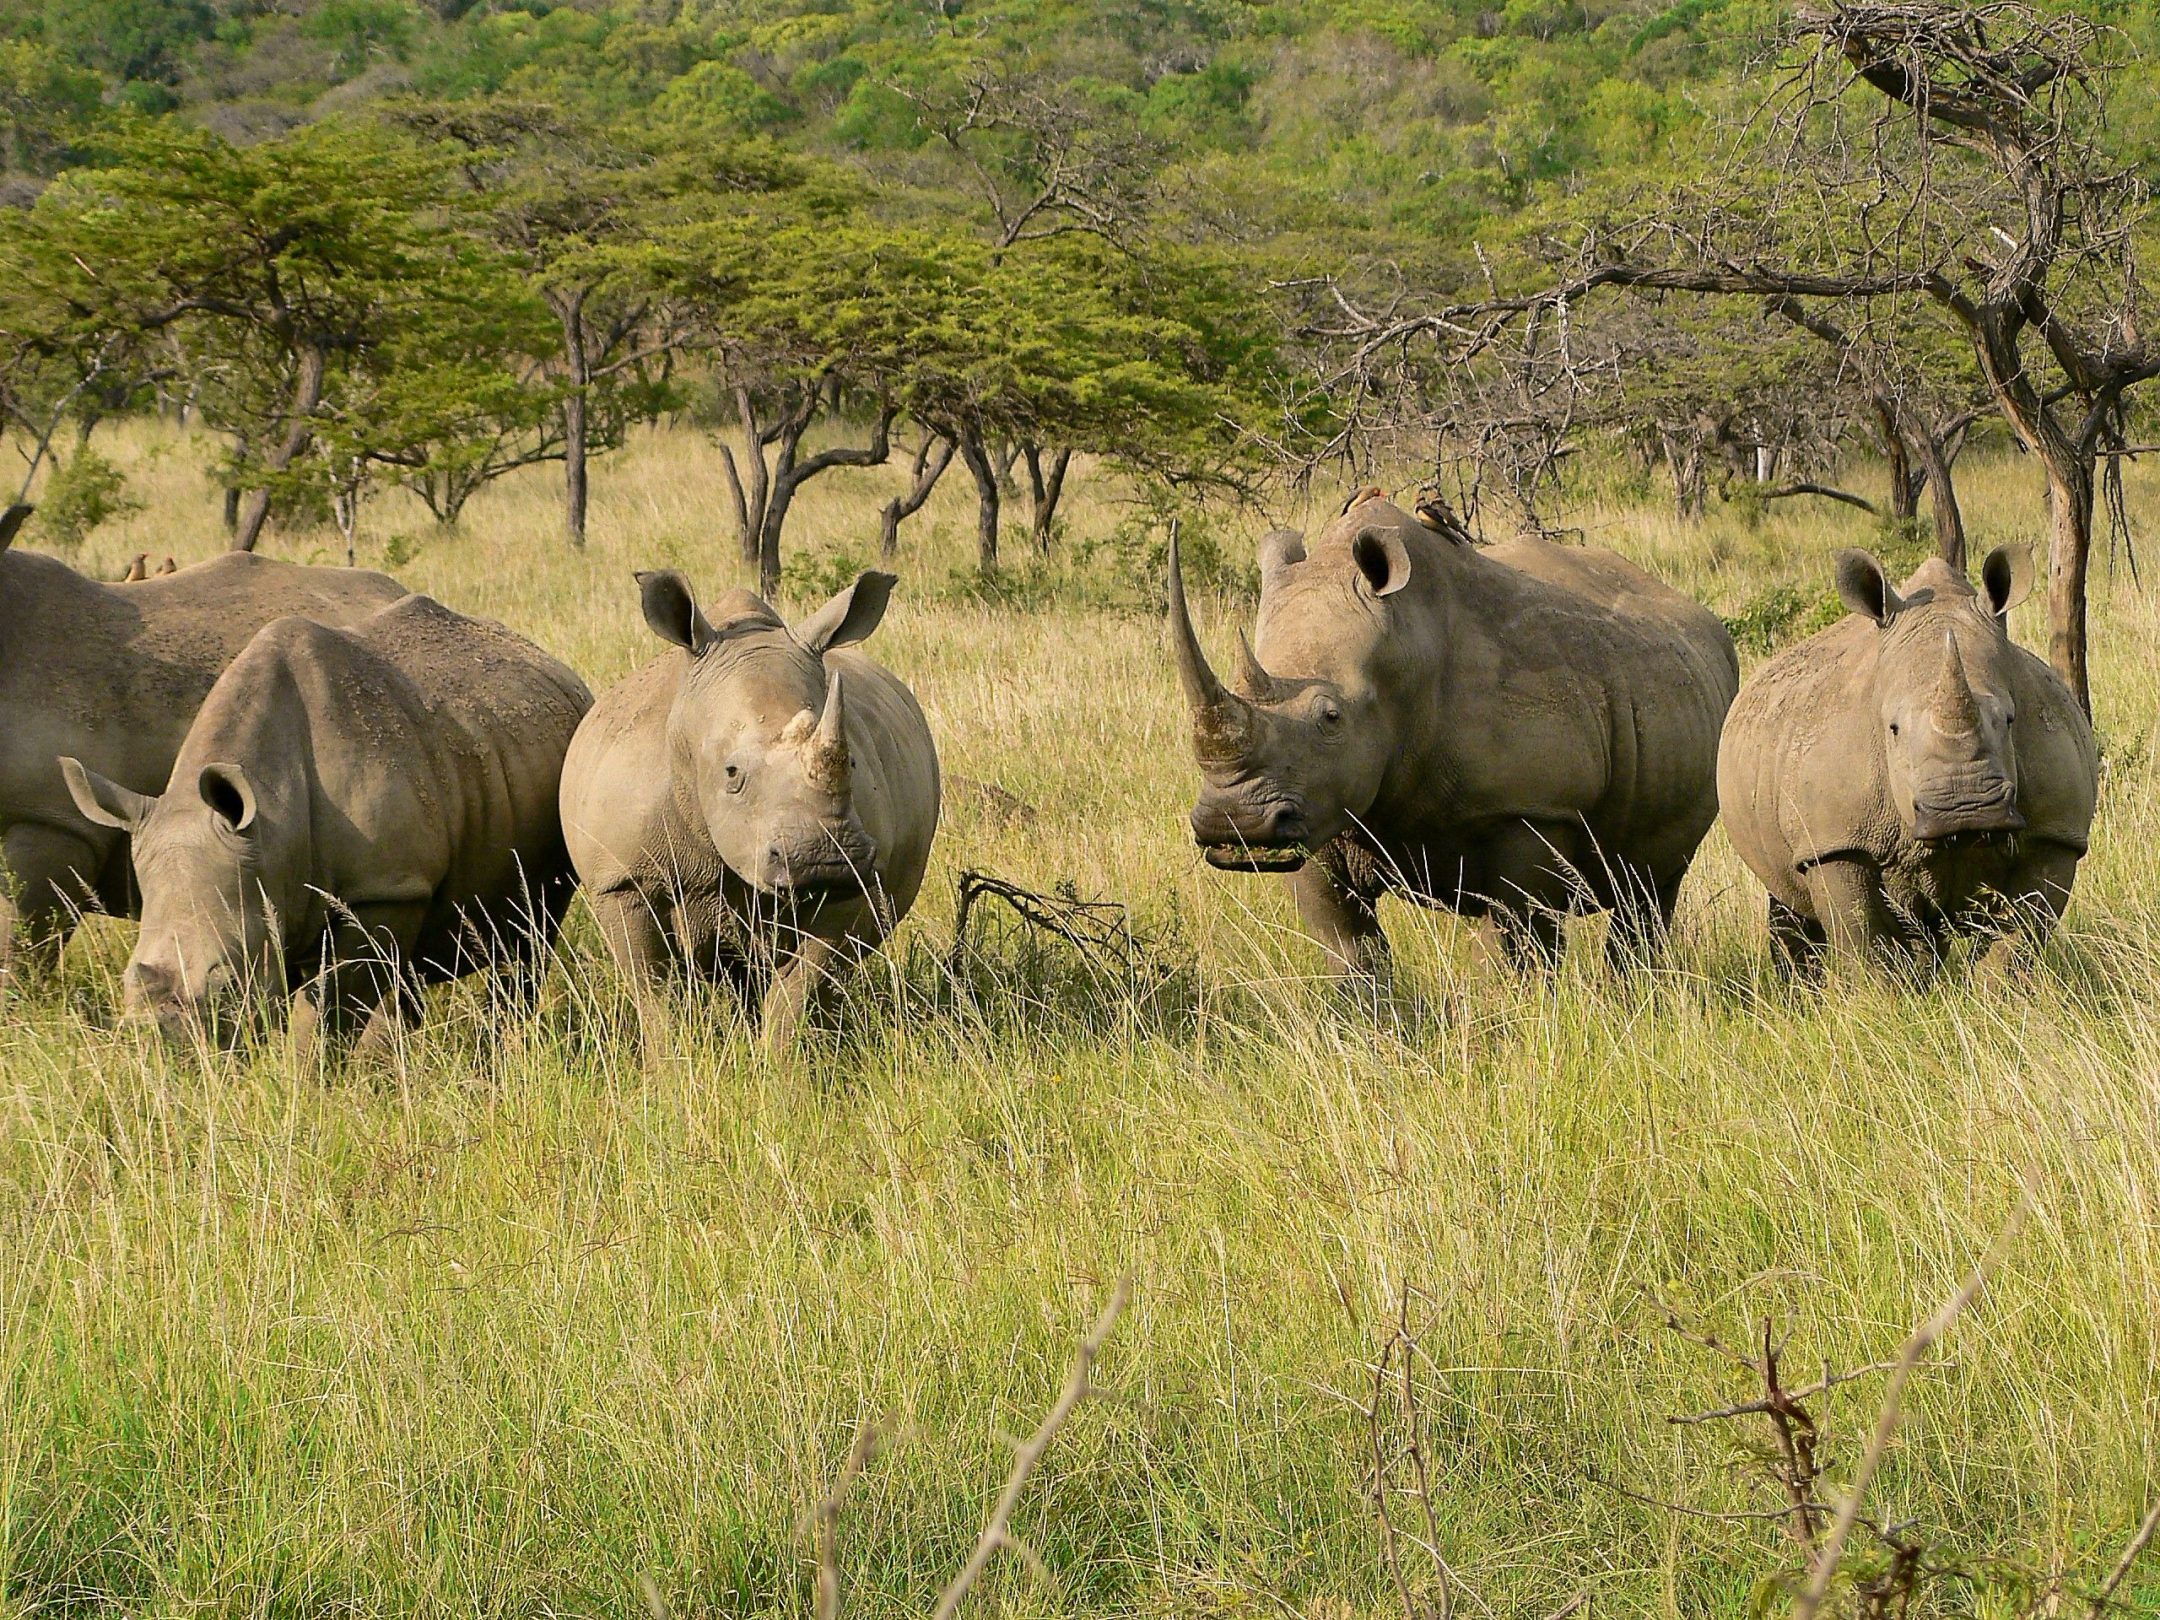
[1861, 924]
[1642, 914]
[367, 984]
[1532, 880]
[1796, 942]
[2032, 906]
[50, 876]
[803, 990]
[1344, 917]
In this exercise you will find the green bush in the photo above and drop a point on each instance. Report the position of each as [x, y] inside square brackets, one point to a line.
[82, 494]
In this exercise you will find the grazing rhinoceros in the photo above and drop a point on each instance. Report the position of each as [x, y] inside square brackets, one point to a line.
[113, 675]
[345, 801]
[757, 806]
[1909, 774]
[1511, 733]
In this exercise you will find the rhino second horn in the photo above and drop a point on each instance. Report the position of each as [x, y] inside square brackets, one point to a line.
[1219, 715]
[1253, 680]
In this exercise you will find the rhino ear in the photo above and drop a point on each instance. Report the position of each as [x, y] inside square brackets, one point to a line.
[229, 794]
[11, 522]
[850, 616]
[1383, 559]
[2007, 577]
[1279, 548]
[103, 800]
[1865, 588]
[672, 611]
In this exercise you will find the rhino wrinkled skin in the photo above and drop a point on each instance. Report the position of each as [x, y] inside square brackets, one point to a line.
[112, 675]
[1512, 733]
[1910, 775]
[757, 805]
[348, 799]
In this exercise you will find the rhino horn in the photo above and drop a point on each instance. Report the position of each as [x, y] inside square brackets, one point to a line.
[1955, 712]
[1219, 715]
[828, 744]
[1252, 680]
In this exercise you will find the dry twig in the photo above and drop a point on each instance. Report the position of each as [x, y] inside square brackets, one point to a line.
[997, 1533]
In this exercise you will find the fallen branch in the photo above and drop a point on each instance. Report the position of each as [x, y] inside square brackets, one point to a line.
[1099, 930]
[997, 1533]
[1826, 492]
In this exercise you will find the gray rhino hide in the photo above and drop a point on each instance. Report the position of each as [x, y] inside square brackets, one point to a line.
[112, 675]
[1512, 733]
[384, 792]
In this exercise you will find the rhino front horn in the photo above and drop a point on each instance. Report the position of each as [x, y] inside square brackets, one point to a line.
[828, 745]
[1218, 713]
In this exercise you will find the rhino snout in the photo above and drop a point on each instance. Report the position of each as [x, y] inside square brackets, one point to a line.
[1271, 836]
[155, 994]
[835, 861]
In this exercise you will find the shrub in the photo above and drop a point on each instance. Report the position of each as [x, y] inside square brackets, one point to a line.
[82, 494]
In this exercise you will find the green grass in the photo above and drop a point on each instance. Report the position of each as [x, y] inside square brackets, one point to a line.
[560, 1301]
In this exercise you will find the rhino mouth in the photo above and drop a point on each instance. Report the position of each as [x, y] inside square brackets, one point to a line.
[1255, 857]
[1968, 821]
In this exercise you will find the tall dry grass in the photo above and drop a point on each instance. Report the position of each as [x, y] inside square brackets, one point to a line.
[553, 1303]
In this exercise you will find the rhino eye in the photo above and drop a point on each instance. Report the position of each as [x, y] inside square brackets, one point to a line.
[1893, 728]
[734, 774]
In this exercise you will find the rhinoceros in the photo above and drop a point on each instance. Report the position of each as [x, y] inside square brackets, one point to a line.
[354, 813]
[756, 806]
[1909, 775]
[113, 675]
[1511, 733]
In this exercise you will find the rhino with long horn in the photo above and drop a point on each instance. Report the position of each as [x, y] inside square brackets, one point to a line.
[1910, 775]
[1513, 733]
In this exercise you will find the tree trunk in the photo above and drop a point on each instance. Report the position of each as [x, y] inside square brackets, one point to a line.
[299, 428]
[983, 466]
[1045, 486]
[754, 501]
[576, 488]
[1949, 519]
[1904, 480]
[1684, 455]
[2070, 514]
[930, 463]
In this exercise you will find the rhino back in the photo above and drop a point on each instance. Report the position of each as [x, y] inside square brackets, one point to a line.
[897, 791]
[495, 716]
[1592, 690]
[115, 677]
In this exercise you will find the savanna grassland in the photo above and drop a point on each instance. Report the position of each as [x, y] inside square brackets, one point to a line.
[555, 1306]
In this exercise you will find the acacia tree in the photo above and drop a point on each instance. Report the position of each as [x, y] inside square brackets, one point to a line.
[574, 204]
[272, 272]
[801, 310]
[1045, 163]
[1920, 400]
